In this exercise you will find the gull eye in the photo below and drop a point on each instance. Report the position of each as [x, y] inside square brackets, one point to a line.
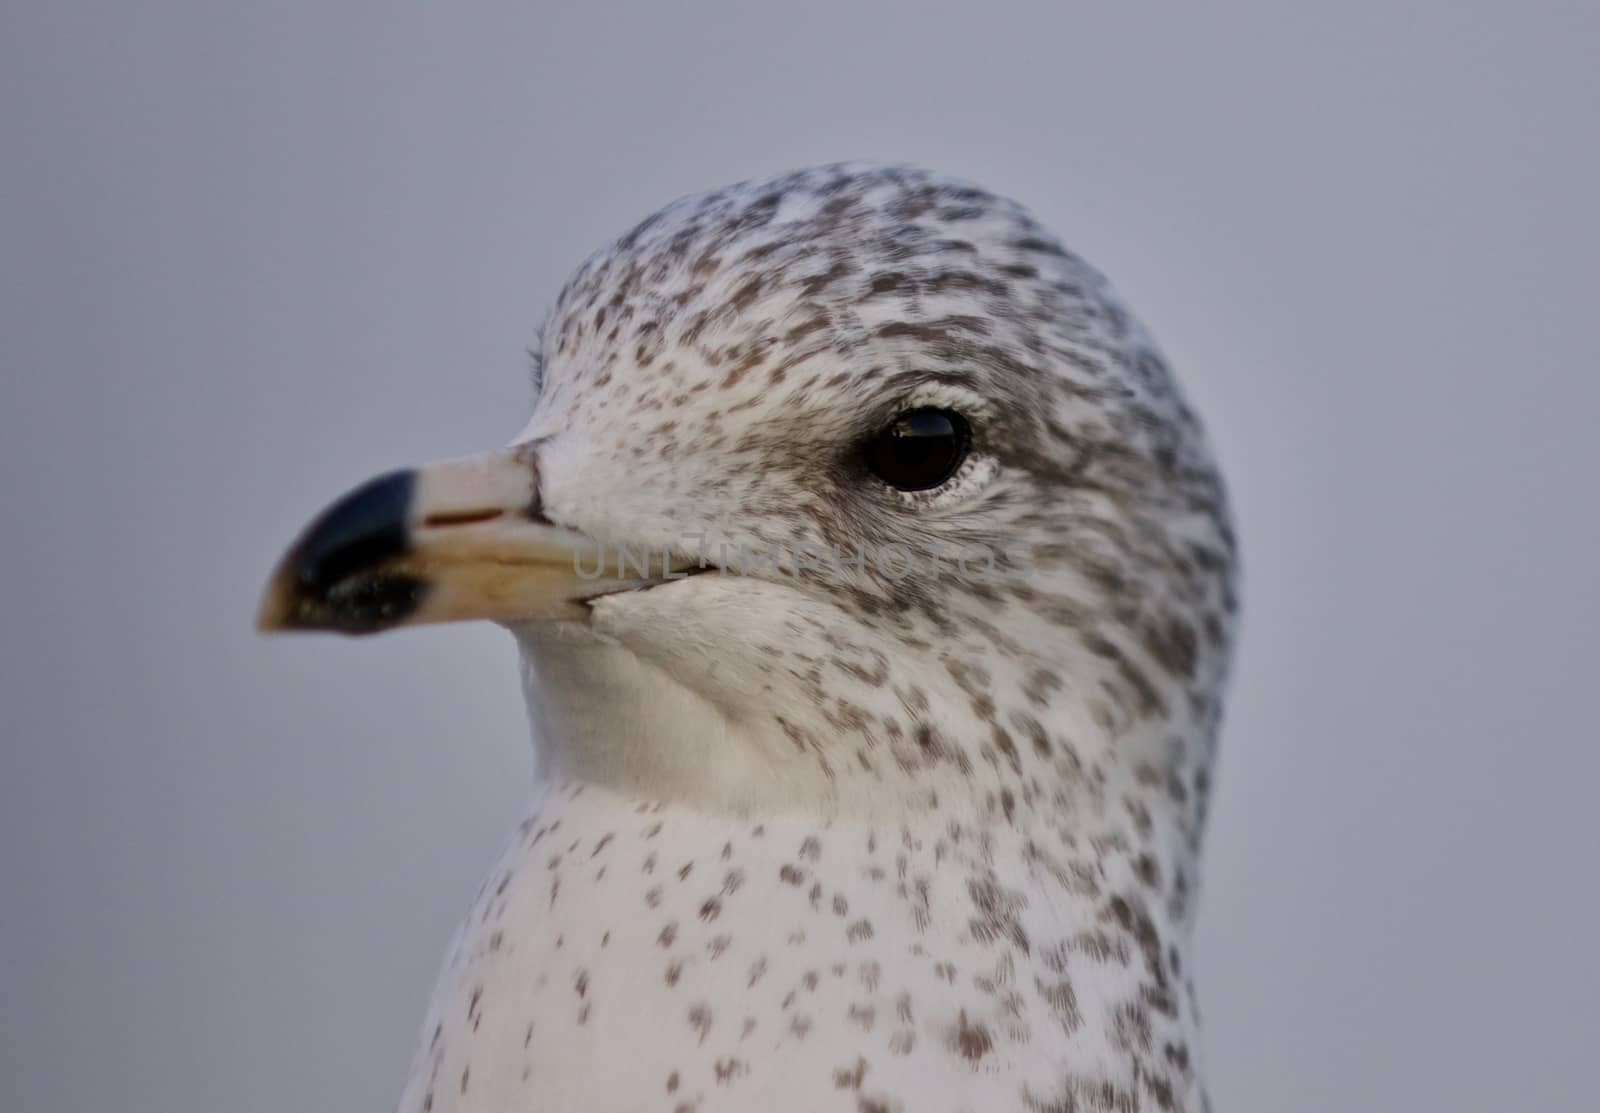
[920, 449]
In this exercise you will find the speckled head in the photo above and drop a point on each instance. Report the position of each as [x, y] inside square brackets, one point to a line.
[875, 589]
[961, 543]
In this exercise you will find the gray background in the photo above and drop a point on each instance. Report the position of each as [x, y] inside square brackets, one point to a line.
[255, 253]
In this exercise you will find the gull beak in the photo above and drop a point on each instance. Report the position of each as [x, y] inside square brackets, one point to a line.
[463, 539]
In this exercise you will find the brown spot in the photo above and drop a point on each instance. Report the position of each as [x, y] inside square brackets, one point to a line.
[1007, 748]
[971, 1041]
[1063, 1002]
[849, 1078]
[700, 1020]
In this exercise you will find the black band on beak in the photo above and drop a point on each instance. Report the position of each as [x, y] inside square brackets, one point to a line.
[364, 527]
[338, 584]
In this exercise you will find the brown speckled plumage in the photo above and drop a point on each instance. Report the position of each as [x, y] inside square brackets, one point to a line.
[850, 840]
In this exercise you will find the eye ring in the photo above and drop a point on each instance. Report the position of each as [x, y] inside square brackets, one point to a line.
[920, 449]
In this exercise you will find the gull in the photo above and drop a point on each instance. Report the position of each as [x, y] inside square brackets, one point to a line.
[875, 588]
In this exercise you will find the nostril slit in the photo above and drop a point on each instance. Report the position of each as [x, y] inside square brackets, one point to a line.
[461, 517]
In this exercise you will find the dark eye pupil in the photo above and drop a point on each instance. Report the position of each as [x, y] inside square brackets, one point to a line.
[920, 449]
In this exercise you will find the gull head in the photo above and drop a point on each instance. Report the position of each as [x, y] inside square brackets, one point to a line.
[848, 489]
